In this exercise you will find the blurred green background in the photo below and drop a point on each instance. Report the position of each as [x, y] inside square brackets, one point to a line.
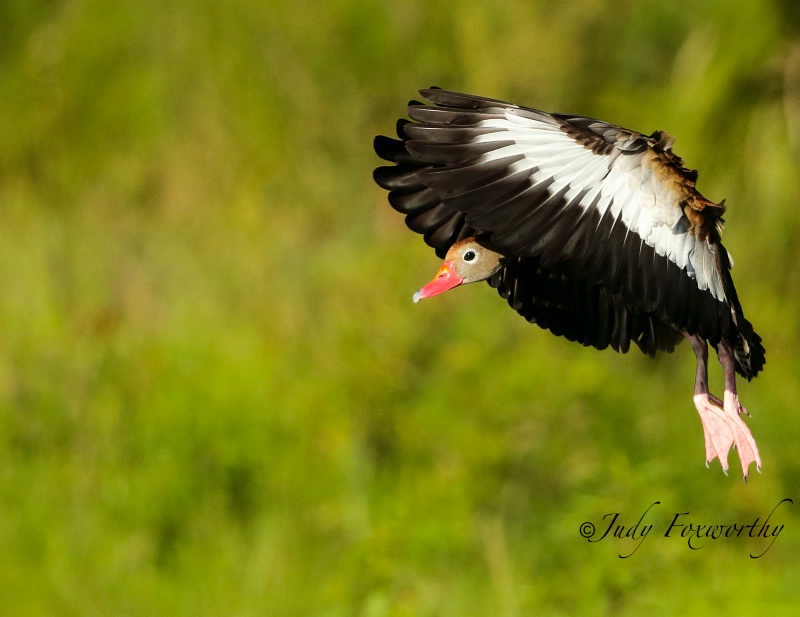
[216, 397]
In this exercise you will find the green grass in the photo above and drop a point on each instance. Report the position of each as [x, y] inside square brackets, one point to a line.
[216, 397]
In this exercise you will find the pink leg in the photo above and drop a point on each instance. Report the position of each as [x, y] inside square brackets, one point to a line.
[742, 437]
[722, 425]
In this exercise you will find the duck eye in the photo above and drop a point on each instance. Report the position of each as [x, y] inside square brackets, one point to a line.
[469, 255]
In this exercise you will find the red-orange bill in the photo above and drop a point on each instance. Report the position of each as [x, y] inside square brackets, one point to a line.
[445, 279]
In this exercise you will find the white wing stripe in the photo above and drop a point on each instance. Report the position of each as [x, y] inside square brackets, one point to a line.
[625, 186]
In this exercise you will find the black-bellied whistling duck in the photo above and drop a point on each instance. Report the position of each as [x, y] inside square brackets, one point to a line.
[592, 231]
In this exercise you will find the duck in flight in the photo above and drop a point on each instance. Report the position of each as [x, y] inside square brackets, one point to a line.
[592, 231]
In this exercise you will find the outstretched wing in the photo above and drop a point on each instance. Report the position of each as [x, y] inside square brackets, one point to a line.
[598, 201]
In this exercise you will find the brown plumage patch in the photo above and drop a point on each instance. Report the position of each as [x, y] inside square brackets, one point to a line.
[704, 216]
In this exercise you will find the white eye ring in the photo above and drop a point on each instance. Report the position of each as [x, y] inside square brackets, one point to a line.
[469, 255]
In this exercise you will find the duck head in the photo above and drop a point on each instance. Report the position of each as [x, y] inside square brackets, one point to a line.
[468, 261]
